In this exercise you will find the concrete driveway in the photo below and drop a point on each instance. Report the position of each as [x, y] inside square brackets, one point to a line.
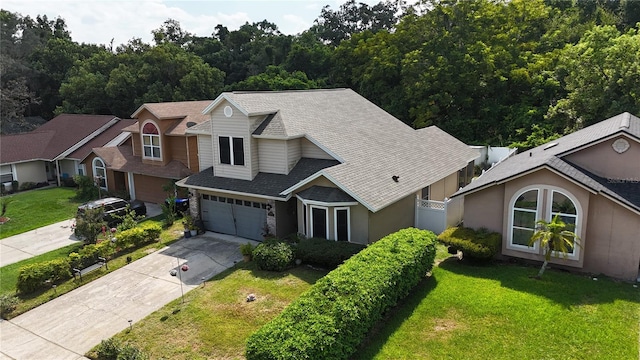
[72, 324]
[47, 238]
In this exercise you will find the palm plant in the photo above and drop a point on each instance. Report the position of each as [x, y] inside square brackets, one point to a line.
[553, 237]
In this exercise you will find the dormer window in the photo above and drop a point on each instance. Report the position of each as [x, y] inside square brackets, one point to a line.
[231, 150]
[151, 141]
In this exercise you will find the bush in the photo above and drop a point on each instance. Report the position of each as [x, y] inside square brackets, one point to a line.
[27, 185]
[151, 232]
[109, 349]
[130, 352]
[330, 319]
[481, 244]
[326, 253]
[89, 225]
[8, 303]
[138, 236]
[35, 276]
[87, 189]
[273, 256]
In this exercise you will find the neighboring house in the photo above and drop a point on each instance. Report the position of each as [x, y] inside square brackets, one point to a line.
[591, 178]
[160, 152]
[323, 163]
[57, 149]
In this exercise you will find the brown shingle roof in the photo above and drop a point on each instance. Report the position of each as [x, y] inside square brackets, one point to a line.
[53, 138]
[184, 111]
[120, 158]
[111, 133]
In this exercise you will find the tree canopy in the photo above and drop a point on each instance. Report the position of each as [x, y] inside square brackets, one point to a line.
[495, 72]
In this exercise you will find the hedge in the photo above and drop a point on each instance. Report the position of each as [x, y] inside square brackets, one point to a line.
[273, 256]
[332, 318]
[35, 276]
[326, 253]
[476, 244]
[138, 236]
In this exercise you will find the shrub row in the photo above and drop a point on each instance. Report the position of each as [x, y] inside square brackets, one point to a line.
[138, 236]
[88, 255]
[113, 349]
[331, 319]
[476, 244]
[324, 253]
[33, 277]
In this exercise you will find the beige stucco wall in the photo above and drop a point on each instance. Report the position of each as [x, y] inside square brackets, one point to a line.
[444, 187]
[546, 178]
[32, 171]
[394, 217]
[485, 209]
[602, 160]
[614, 239]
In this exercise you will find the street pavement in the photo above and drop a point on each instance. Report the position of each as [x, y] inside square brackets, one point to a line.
[70, 325]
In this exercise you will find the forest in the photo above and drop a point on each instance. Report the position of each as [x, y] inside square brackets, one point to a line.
[504, 73]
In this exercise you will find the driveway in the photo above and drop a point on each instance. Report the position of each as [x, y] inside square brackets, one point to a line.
[47, 238]
[70, 325]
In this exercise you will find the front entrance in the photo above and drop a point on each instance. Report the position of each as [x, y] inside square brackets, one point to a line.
[232, 216]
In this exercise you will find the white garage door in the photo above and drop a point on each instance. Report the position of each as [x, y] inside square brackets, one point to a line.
[234, 216]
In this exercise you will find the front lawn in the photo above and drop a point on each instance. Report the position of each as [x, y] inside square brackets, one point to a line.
[216, 319]
[499, 312]
[30, 210]
[460, 312]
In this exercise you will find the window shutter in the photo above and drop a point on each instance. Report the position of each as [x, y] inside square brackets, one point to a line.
[225, 150]
[238, 151]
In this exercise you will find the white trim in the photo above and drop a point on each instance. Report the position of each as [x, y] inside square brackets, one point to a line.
[578, 216]
[103, 167]
[596, 142]
[231, 155]
[510, 245]
[335, 222]
[142, 135]
[181, 183]
[218, 100]
[132, 186]
[326, 213]
[322, 203]
[87, 138]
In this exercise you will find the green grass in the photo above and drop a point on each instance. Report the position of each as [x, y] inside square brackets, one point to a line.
[216, 319]
[30, 210]
[462, 311]
[500, 312]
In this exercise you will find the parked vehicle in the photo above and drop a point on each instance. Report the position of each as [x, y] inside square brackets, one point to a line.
[113, 206]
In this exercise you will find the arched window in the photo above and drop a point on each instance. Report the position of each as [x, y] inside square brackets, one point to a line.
[151, 142]
[525, 215]
[541, 202]
[100, 173]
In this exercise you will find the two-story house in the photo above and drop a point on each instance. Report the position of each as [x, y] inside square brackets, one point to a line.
[159, 153]
[323, 163]
[590, 178]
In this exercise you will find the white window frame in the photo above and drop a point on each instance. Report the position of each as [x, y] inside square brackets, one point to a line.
[550, 214]
[335, 222]
[95, 167]
[151, 137]
[81, 170]
[231, 153]
[326, 214]
[512, 208]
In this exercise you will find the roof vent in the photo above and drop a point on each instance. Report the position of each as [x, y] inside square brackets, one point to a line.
[190, 124]
[550, 145]
[395, 178]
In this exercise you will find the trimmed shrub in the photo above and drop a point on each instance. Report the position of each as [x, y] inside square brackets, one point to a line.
[332, 318]
[476, 244]
[34, 277]
[138, 236]
[151, 232]
[326, 253]
[109, 349]
[273, 256]
[130, 352]
[8, 303]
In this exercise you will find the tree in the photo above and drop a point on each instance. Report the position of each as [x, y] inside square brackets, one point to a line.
[276, 78]
[89, 225]
[554, 238]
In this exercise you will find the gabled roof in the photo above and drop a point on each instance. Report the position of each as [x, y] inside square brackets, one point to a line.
[103, 139]
[372, 145]
[264, 184]
[182, 112]
[120, 158]
[56, 138]
[551, 155]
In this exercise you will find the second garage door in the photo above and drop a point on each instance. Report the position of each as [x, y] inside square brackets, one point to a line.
[234, 216]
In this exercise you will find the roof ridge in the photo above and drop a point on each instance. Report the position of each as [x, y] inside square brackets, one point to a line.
[284, 91]
[625, 121]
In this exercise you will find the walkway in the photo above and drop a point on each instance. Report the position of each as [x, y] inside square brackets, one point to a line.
[70, 325]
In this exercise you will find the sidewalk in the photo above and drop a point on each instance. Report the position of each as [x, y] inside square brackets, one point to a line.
[35, 242]
[70, 325]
